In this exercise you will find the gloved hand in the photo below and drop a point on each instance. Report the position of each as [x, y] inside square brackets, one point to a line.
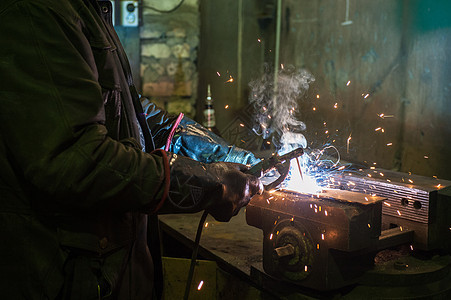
[195, 141]
[221, 188]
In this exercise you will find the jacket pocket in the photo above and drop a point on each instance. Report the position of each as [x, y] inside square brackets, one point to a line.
[87, 242]
[106, 60]
[112, 106]
[93, 267]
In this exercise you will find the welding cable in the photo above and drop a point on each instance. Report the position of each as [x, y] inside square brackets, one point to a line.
[194, 255]
[165, 11]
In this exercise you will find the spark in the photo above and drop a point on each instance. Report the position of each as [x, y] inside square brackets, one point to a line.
[268, 142]
[336, 105]
[305, 268]
[281, 66]
[317, 96]
[348, 83]
[241, 124]
[400, 228]
[435, 177]
[383, 116]
[325, 213]
[411, 247]
[201, 283]
[230, 79]
[292, 219]
[426, 156]
[227, 106]
[259, 40]
[317, 246]
[206, 224]
[399, 213]
[322, 236]
[219, 74]
[439, 186]
[386, 203]
[270, 236]
[366, 198]
[369, 225]
[382, 174]
[378, 128]
[267, 200]
[314, 108]
[410, 180]
[348, 141]
[389, 144]
[372, 168]
[366, 96]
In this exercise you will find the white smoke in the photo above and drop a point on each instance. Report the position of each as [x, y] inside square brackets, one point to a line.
[276, 106]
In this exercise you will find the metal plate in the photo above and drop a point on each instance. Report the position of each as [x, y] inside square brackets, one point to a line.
[346, 196]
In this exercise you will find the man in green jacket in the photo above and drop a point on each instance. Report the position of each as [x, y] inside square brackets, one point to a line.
[82, 165]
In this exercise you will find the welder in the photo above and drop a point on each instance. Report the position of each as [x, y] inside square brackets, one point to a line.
[86, 165]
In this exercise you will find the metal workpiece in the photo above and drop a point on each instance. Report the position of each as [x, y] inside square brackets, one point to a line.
[321, 241]
[417, 203]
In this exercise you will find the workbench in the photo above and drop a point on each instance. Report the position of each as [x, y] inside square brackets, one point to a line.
[236, 247]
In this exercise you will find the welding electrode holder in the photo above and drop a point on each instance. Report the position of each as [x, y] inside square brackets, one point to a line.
[280, 163]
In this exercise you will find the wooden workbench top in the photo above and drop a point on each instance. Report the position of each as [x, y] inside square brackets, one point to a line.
[233, 244]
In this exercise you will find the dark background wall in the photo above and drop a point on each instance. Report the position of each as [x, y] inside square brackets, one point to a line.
[377, 57]
[394, 51]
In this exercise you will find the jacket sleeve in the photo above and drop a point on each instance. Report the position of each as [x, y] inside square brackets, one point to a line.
[52, 117]
[181, 135]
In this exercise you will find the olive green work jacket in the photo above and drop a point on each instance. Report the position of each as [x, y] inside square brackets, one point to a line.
[75, 185]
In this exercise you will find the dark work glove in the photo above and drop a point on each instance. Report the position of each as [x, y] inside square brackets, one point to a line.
[221, 188]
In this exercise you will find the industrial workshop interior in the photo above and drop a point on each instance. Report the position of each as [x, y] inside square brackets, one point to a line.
[364, 86]
[347, 106]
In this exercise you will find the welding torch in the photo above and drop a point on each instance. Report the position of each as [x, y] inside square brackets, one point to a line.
[280, 163]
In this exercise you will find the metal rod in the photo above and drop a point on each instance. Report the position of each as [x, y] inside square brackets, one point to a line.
[299, 167]
[277, 48]
[239, 53]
